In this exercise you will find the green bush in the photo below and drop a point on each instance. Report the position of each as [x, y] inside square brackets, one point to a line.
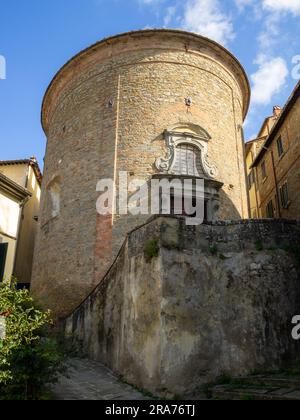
[259, 245]
[29, 359]
[213, 249]
[151, 249]
[294, 250]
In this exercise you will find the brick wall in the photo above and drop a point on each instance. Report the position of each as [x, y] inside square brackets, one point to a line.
[105, 112]
[287, 168]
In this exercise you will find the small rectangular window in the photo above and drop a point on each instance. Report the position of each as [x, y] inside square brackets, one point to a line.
[264, 170]
[280, 147]
[270, 210]
[284, 195]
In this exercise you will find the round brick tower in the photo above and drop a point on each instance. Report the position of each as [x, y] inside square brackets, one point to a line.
[137, 102]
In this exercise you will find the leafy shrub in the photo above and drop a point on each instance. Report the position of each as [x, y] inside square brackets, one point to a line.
[259, 245]
[213, 249]
[29, 359]
[151, 249]
[295, 251]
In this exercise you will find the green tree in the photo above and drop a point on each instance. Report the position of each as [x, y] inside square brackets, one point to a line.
[29, 359]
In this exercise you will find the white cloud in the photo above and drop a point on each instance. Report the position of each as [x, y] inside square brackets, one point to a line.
[241, 4]
[171, 12]
[271, 33]
[276, 10]
[292, 6]
[206, 17]
[268, 80]
[289, 6]
[152, 3]
[272, 70]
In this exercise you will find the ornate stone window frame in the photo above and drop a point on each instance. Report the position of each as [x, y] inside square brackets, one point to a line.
[174, 139]
[196, 136]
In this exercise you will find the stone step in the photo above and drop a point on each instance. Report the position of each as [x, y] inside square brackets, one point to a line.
[270, 381]
[229, 393]
[257, 394]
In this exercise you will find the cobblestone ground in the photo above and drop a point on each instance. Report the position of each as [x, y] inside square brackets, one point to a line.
[88, 380]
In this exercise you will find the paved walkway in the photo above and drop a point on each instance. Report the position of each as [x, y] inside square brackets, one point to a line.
[89, 380]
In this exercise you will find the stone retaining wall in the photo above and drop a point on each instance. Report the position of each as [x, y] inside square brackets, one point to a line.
[214, 299]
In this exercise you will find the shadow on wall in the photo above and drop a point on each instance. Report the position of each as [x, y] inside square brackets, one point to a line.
[228, 210]
[171, 314]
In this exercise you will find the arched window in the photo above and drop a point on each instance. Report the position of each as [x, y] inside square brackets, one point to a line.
[187, 161]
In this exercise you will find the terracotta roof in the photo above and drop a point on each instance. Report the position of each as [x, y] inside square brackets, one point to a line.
[287, 108]
[32, 162]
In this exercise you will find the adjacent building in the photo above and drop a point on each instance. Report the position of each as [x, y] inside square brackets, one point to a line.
[273, 164]
[20, 183]
[12, 200]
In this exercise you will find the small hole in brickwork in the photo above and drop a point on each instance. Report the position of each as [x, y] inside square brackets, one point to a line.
[188, 101]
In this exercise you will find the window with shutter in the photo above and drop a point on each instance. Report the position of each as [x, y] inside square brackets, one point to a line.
[270, 210]
[284, 195]
[187, 161]
[280, 147]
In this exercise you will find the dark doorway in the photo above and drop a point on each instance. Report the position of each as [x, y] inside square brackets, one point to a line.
[3, 254]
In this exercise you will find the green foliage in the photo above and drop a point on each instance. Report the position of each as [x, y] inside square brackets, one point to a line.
[151, 249]
[177, 397]
[29, 360]
[247, 398]
[213, 250]
[294, 250]
[142, 391]
[289, 370]
[259, 245]
[207, 390]
[224, 379]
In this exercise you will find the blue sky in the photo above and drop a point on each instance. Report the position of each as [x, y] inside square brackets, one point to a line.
[38, 36]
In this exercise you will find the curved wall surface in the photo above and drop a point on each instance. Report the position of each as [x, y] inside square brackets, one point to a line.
[106, 111]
